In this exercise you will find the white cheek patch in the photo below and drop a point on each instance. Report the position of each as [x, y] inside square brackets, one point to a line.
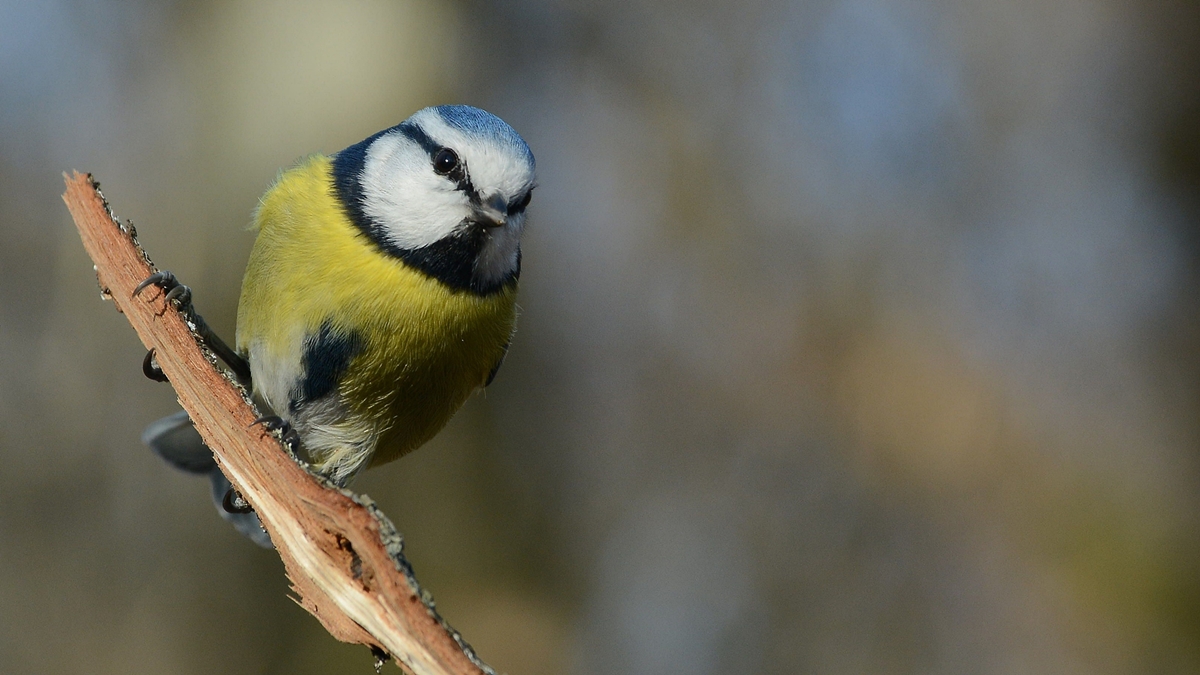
[415, 206]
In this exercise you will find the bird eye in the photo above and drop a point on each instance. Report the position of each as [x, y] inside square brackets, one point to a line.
[518, 207]
[445, 161]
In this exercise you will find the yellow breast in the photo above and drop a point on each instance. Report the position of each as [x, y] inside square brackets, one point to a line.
[421, 347]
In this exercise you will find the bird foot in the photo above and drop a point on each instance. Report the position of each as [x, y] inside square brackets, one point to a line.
[286, 431]
[181, 297]
[176, 292]
[234, 502]
[150, 368]
[381, 658]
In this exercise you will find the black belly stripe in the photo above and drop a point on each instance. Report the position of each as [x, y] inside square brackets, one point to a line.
[326, 356]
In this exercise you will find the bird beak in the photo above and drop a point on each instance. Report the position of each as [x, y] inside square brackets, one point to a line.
[492, 211]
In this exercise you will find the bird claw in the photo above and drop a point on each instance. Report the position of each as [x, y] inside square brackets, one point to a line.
[234, 502]
[150, 368]
[292, 438]
[381, 658]
[285, 429]
[270, 422]
[176, 292]
[180, 294]
[165, 278]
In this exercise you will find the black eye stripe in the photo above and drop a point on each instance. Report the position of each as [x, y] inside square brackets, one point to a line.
[519, 206]
[462, 181]
[458, 174]
[417, 135]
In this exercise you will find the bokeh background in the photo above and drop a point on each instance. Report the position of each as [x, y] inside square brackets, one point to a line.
[857, 336]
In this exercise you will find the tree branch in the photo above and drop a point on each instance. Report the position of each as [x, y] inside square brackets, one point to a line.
[342, 555]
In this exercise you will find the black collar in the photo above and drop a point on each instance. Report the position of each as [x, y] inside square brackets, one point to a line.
[450, 260]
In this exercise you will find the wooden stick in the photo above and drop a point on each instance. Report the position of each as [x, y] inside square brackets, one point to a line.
[342, 555]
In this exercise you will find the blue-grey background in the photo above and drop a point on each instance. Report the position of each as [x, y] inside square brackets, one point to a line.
[857, 336]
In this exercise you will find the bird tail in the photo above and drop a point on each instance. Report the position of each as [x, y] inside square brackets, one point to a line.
[176, 441]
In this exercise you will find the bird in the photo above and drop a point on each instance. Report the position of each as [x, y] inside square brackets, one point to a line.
[380, 293]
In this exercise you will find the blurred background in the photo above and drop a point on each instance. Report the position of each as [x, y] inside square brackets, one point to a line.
[857, 336]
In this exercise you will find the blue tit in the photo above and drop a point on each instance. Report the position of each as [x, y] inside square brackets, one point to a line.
[380, 292]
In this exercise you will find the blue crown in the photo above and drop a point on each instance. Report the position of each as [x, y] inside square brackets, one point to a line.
[482, 123]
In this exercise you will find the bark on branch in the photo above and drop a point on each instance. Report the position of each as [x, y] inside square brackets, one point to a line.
[342, 555]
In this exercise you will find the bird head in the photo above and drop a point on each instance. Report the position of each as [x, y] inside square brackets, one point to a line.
[445, 191]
